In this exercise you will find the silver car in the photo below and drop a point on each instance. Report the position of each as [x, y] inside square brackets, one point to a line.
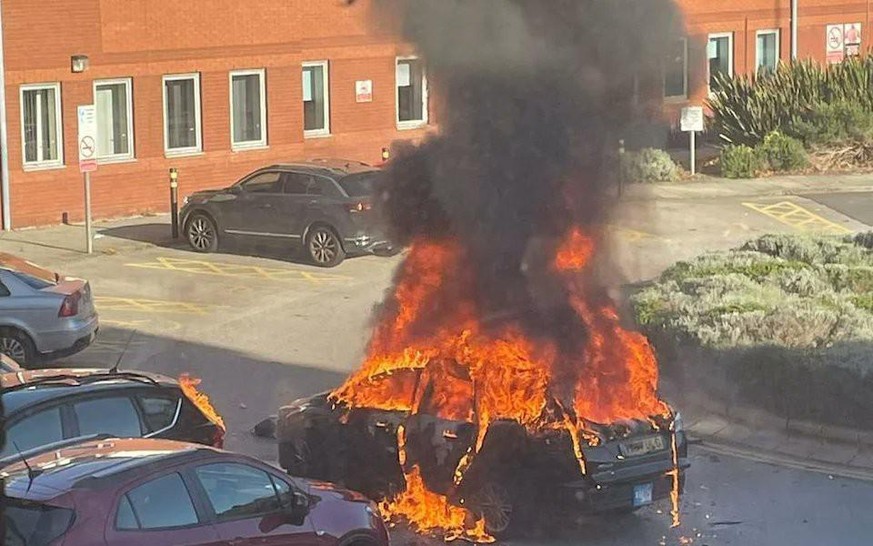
[42, 313]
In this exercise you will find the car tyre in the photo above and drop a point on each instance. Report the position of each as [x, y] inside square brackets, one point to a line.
[323, 247]
[493, 501]
[202, 233]
[18, 346]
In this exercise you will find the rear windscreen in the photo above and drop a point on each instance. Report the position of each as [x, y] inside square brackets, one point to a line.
[31, 281]
[360, 184]
[17, 265]
[34, 524]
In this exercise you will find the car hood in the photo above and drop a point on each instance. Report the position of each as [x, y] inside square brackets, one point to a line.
[206, 194]
[331, 491]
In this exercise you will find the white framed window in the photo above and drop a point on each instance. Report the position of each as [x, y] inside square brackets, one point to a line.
[676, 71]
[316, 99]
[248, 109]
[113, 100]
[720, 55]
[766, 51]
[411, 84]
[41, 125]
[182, 132]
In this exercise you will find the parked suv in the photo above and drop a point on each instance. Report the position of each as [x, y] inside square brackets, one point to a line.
[42, 313]
[46, 406]
[322, 206]
[153, 492]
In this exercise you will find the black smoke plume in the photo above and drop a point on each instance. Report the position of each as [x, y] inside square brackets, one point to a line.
[530, 97]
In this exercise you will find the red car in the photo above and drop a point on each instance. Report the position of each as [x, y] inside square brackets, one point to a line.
[132, 492]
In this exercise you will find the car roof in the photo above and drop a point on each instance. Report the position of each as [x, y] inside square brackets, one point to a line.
[17, 394]
[92, 463]
[333, 168]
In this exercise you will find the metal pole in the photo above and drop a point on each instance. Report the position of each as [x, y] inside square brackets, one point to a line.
[174, 202]
[620, 167]
[794, 29]
[89, 241]
[4, 137]
[693, 153]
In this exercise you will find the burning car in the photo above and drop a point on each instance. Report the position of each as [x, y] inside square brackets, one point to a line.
[618, 467]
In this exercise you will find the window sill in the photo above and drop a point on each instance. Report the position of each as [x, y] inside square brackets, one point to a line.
[43, 167]
[411, 125]
[186, 153]
[115, 160]
[247, 147]
[316, 135]
[675, 100]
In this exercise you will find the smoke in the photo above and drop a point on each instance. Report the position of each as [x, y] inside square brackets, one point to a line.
[530, 97]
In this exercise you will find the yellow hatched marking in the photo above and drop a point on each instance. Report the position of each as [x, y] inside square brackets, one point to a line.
[201, 267]
[139, 305]
[801, 219]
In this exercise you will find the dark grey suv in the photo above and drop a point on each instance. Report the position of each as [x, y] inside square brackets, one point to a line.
[323, 206]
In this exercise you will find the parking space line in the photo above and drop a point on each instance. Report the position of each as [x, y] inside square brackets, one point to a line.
[105, 303]
[202, 267]
[800, 218]
[631, 235]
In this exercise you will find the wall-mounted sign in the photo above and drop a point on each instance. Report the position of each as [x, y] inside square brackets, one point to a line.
[843, 41]
[364, 91]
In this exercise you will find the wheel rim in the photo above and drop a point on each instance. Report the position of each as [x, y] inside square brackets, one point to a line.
[200, 233]
[493, 504]
[12, 348]
[323, 246]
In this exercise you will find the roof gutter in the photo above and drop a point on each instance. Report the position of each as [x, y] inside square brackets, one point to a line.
[4, 136]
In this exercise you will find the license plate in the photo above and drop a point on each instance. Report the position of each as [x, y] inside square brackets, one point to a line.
[642, 446]
[642, 494]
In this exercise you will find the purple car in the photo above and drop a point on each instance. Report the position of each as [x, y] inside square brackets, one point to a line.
[131, 492]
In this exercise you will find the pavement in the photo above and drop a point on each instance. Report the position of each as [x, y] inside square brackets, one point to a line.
[266, 329]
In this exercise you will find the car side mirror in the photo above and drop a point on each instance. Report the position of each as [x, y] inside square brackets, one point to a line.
[299, 508]
[236, 190]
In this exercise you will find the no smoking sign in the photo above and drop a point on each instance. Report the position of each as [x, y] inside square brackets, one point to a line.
[87, 138]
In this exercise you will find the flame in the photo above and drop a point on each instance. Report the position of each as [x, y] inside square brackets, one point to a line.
[480, 375]
[189, 387]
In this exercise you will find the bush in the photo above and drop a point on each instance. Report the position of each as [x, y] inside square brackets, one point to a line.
[834, 124]
[649, 165]
[780, 152]
[739, 161]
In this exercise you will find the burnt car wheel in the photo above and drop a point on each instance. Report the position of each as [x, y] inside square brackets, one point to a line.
[202, 233]
[493, 502]
[323, 247]
[17, 345]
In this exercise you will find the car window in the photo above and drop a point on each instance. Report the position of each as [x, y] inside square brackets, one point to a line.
[284, 491]
[37, 430]
[360, 184]
[237, 490]
[115, 416]
[31, 281]
[124, 518]
[3, 290]
[162, 503]
[158, 411]
[296, 183]
[28, 523]
[267, 182]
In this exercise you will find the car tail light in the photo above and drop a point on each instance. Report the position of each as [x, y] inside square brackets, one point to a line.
[360, 206]
[70, 306]
[218, 437]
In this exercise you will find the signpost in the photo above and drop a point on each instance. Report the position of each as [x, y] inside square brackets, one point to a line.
[87, 161]
[692, 122]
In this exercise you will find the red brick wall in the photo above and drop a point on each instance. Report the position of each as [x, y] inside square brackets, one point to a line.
[145, 39]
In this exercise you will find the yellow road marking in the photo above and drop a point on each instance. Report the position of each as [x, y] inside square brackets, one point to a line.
[132, 324]
[140, 305]
[792, 214]
[201, 267]
[631, 234]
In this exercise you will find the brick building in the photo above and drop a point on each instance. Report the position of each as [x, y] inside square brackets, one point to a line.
[217, 88]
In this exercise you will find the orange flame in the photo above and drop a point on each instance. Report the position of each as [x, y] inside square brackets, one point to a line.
[199, 399]
[481, 375]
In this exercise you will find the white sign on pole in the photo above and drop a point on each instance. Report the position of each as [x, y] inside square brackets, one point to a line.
[692, 119]
[364, 91]
[836, 46]
[87, 138]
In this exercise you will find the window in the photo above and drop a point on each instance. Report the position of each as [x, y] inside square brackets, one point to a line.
[34, 431]
[114, 104]
[115, 416]
[248, 111]
[124, 518]
[158, 504]
[30, 523]
[41, 129]
[237, 490]
[767, 51]
[676, 70]
[316, 99]
[267, 182]
[297, 183]
[182, 114]
[720, 52]
[411, 93]
[158, 412]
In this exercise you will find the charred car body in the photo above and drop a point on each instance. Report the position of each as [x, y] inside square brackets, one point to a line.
[626, 465]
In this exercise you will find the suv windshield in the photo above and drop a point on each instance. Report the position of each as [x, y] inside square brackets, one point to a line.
[34, 524]
[360, 184]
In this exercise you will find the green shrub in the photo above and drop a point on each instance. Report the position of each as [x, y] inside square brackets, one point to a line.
[834, 124]
[739, 161]
[649, 165]
[780, 152]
